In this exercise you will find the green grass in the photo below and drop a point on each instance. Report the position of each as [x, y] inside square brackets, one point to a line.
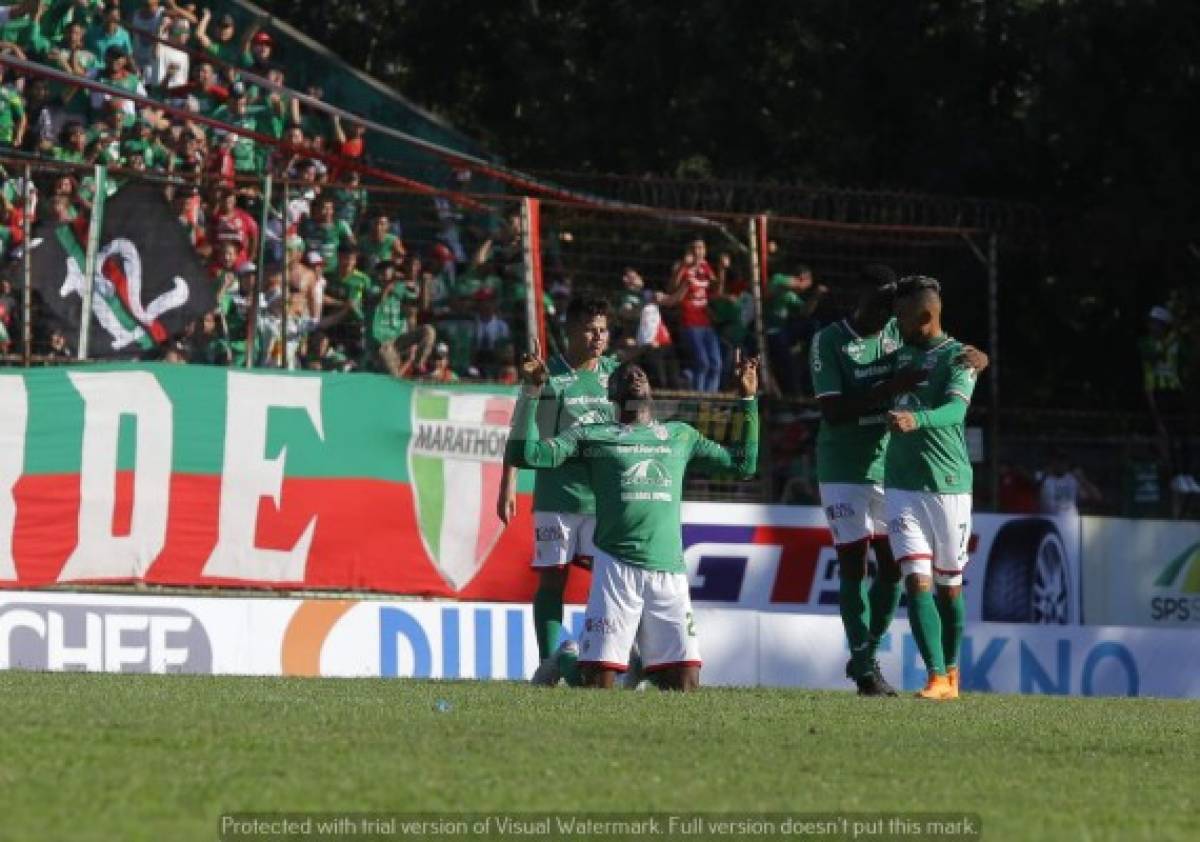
[151, 757]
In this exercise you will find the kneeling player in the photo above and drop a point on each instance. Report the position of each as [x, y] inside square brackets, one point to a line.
[636, 468]
[927, 476]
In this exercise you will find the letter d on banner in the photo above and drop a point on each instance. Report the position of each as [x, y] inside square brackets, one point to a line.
[106, 397]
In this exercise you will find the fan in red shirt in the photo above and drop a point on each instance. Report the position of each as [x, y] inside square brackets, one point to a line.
[230, 223]
[692, 281]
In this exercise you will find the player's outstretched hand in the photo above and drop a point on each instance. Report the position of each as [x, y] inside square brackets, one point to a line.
[745, 370]
[534, 373]
[972, 357]
[902, 422]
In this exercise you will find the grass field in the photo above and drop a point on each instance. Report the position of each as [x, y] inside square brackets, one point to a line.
[161, 757]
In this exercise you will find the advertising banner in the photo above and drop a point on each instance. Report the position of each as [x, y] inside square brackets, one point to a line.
[1142, 572]
[471, 640]
[189, 475]
[781, 558]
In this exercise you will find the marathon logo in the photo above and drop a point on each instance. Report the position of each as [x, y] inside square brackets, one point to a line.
[442, 439]
[102, 638]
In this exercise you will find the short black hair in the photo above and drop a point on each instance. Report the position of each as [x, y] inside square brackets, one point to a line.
[913, 284]
[877, 275]
[584, 309]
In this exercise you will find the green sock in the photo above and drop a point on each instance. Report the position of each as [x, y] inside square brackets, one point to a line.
[927, 630]
[568, 668]
[853, 606]
[952, 611]
[883, 597]
[547, 619]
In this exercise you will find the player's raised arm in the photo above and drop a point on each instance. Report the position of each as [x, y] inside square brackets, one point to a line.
[740, 458]
[526, 448]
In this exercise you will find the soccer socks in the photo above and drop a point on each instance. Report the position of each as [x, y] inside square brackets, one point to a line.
[883, 597]
[853, 607]
[547, 619]
[952, 611]
[926, 626]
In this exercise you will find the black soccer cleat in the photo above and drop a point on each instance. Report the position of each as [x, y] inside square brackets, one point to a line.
[872, 683]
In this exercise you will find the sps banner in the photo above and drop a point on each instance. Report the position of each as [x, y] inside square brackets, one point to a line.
[1142, 572]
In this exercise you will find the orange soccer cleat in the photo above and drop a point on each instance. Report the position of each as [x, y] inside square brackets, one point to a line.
[938, 689]
[952, 675]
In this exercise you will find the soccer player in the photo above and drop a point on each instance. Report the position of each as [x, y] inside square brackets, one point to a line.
[854, 380]
[575, 391]
[636, 467]
[927, 474]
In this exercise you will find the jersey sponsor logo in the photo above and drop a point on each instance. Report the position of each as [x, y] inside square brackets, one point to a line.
[871, 371]
[548, 533]
[455, 461]
[839, 510]
[594, 416]
[585, 400]
[646, 472]
[645, 476]
[640, 449]
[600, 625]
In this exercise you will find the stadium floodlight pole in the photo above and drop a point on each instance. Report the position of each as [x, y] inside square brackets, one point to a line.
[757, 227]
[99, 195]
[260, 275]
[535, 308]
[27, 271]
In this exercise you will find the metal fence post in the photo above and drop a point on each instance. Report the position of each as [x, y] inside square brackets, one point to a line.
[757, 227]
[535, 309]
[100, 177]
[27, 272]
[260, 274]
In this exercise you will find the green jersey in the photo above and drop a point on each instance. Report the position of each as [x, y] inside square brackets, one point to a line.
[12, 109]
[846, 364]
[933, 457]
[571, 398]
[636, 472]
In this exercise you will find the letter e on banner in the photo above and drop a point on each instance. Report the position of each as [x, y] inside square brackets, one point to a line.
[14, 417]
[247, 476]
[106, 397]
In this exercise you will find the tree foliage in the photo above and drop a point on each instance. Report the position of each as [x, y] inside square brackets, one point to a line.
[1082, 106]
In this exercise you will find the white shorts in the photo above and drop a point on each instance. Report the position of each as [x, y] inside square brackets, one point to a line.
[855, 512]
[929, 533]
[628, 603]
[560, 538]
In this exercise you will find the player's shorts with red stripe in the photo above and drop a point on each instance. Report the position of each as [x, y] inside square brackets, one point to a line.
[929, 532]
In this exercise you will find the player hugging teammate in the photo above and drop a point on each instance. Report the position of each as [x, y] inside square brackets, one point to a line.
[635, 467]
[861, 366]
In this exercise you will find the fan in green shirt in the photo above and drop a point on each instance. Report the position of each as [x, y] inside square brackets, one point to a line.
[636, 467]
